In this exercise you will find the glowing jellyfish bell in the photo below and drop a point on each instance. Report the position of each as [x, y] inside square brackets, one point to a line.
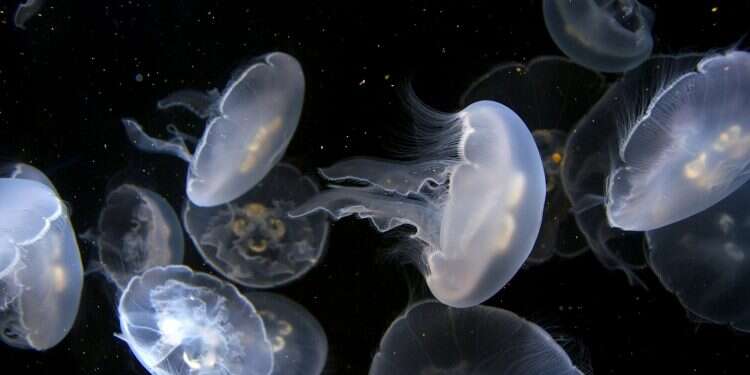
[431, 338]
[40, 267]
[604, 35]
[137, 230]
[687, 149]
[476, 198]
[252, 240]
[299, 343]
[248, 130]
[177, 321]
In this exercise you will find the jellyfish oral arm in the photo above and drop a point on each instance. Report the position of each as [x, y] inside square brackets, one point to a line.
[146, 143]
[402, 179]
[197, 102]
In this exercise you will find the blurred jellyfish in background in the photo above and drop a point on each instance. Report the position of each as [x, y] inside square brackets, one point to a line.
[431, 339]
[25, 11]
[177, 321]
[550, 94]
[248, 129]
[475, 196]
[703, 260]
[41, 276]
[604, 35]
[300, 346]
[137, 230]
[252, 240]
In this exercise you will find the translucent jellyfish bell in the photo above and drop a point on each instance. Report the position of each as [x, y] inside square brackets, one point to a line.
[41, 275]
[476, 199]
[703, 260]
[299, 343]
[431, 339]
[604, 35]
[252, 241]
[687, 149]
[177, 321]
[249, 128]
[137, 230]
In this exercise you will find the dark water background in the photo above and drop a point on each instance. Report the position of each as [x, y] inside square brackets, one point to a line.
[67, 80]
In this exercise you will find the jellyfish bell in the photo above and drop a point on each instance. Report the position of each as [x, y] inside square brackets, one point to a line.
[604, 35]
[247, 132]
[41, 275]
[431, 338]
[252, 240]
[298, 341]
[177, 321]
[476, 199]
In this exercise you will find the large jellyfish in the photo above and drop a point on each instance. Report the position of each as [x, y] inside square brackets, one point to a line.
[431, 339]
[475, 197]
[248, 130]
[299, 343]
[550, 94]
[604, 35]
[137, 230]
[252, 240]
[704, 260]
[177, 321]
[41, 276]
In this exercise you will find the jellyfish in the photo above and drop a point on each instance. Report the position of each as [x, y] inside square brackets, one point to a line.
[252, 240]
[550, 94]
[431, 338]
[604, 35]
[248, 129]
[137, 230]
[299, 343]
[177, 321]
[703, 260]
[475, 197]
[25, 11]
[41, 276]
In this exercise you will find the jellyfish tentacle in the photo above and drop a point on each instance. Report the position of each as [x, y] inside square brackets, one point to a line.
[197, 102]
[399, 178]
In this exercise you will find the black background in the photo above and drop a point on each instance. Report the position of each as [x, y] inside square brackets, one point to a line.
[67, 80]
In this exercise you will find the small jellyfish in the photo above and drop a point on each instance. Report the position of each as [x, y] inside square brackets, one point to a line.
[475, 196]
[550, 94]
[25, 11]
[177, 321]
[137, 230]
[252, 240]
[432, 339]
[299, 343]
[604, 35]
[248, 129]
[41, 276]
[704, 260]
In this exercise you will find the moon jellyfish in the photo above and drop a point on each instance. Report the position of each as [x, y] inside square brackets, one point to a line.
[25, 11]
[431, 339]
[252, 240]
[703, 260]
[41, 275]
[248, 129]
[475, 197]
[137, 230]
[26, 172]
[299, 343]
[604, 35]
[177, 321]
[550, 94]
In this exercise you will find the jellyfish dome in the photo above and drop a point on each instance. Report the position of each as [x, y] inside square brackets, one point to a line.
[431, 338]
[603, 35]
[687, 149]
[252, 240]
[177, 321]
[299, 343]
[248, 129]
[41, 276]
[475, 197]
[137, 230]
[703, 260]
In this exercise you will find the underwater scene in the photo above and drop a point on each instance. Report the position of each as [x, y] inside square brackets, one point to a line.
[521, 187]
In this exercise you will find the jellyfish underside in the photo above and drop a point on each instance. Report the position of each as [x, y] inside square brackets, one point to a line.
[476, 216]
[431, 339]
